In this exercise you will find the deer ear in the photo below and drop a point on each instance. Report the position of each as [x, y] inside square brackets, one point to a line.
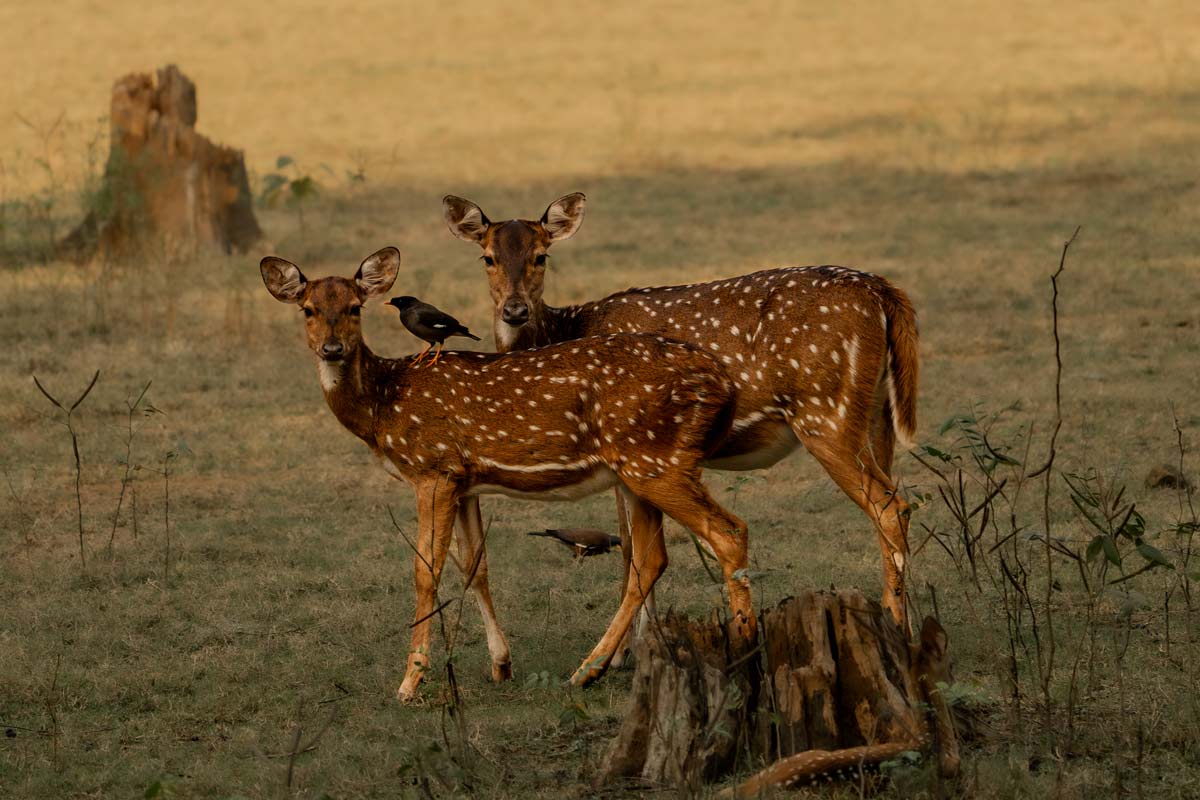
[284, 280]
[564, 216]
[378, 271]
[466, 220]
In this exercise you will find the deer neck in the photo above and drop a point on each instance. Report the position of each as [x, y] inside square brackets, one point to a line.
[351, 390]
[546, 325]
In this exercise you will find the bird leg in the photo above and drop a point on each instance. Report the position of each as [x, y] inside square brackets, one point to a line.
[437, 353]
[422, 354]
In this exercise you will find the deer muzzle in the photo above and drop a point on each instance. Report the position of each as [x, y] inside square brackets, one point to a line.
[332, 350]
[515, 312]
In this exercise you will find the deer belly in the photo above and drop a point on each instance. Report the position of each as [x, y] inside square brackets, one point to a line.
[558, 485]
[756, 445]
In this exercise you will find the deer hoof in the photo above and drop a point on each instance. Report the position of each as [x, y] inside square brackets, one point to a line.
[408, 695]
[502, 672]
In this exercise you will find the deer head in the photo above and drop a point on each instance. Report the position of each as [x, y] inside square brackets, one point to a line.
[514, 251]
[332, 306]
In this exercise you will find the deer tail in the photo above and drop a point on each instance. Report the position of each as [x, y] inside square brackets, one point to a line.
[902, 366]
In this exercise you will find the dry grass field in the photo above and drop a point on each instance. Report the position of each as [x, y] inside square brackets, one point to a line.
[952, 150]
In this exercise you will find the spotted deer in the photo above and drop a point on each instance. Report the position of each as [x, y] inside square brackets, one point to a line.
[639, 412]
[824, 357]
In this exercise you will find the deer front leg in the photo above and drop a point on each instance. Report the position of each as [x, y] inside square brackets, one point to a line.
[648, 560]
[437, 503]
[472, 547]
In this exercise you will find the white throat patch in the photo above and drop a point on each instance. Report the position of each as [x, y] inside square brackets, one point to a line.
[506, 335]
[329, 373]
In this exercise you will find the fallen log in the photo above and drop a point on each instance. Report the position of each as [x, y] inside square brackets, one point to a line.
[831, 683]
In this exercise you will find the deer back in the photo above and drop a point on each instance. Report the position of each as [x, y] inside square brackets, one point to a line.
[529, 420]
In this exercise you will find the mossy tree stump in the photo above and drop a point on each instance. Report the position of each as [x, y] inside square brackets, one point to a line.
[831, 674]
[165, 189]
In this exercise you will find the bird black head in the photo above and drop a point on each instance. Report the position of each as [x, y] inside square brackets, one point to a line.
[402, 302]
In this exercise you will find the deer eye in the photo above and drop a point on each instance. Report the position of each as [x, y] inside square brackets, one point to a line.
[540, 260]
[489, 261]
[355, 311]
[308, 312]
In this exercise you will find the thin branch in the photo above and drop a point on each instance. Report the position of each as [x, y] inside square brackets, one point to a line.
[1048, 672]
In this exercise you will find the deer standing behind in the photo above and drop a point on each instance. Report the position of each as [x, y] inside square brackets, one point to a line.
[640, 412]
[824, 357]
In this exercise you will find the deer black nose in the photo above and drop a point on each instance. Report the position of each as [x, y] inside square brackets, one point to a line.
[332, 351]
[515, 312]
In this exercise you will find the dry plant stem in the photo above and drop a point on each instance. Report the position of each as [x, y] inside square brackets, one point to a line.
[69, 412]
[20, 508]
[133, 510]
[127, 478]
[166, 473]
[52, 706]
[1185, 497]
[1048, 664]
[296, 749]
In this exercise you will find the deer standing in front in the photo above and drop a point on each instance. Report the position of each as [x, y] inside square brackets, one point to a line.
[824, 357]
[640, 412]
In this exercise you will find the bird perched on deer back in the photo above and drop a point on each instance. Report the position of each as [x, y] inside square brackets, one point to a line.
[428, 324]
[584, 541]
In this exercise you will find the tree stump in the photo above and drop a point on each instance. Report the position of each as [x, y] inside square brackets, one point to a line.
[165, 187]
[832, 682]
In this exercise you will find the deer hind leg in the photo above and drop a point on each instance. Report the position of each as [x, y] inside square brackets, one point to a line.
[648, 610]
[883, 438]
[471, 546]
[437, 502]
[683, 497]
[648, 560]
[863, 475]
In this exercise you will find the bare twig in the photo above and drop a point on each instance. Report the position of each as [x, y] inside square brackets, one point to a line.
[68, 415]
[128, 476]
[166, 473]
[1048, 671]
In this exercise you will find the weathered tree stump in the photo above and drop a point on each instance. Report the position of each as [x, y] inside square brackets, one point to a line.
[833, 681]
[164, 185]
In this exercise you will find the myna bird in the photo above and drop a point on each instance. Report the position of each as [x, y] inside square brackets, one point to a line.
[584, 541]
[428, 324]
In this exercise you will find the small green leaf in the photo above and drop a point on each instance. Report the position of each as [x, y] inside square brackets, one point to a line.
[936, 453]
[956, 419]
[1153, 555]
[1135, 526]
[1110, 550]
[303, 187]
[1094, 546]
[284, 161]
[1004, 459]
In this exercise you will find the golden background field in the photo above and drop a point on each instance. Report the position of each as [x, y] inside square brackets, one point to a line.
[509, 92]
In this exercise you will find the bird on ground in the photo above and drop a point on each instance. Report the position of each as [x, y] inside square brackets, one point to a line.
[584, 541]
[428, 324]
